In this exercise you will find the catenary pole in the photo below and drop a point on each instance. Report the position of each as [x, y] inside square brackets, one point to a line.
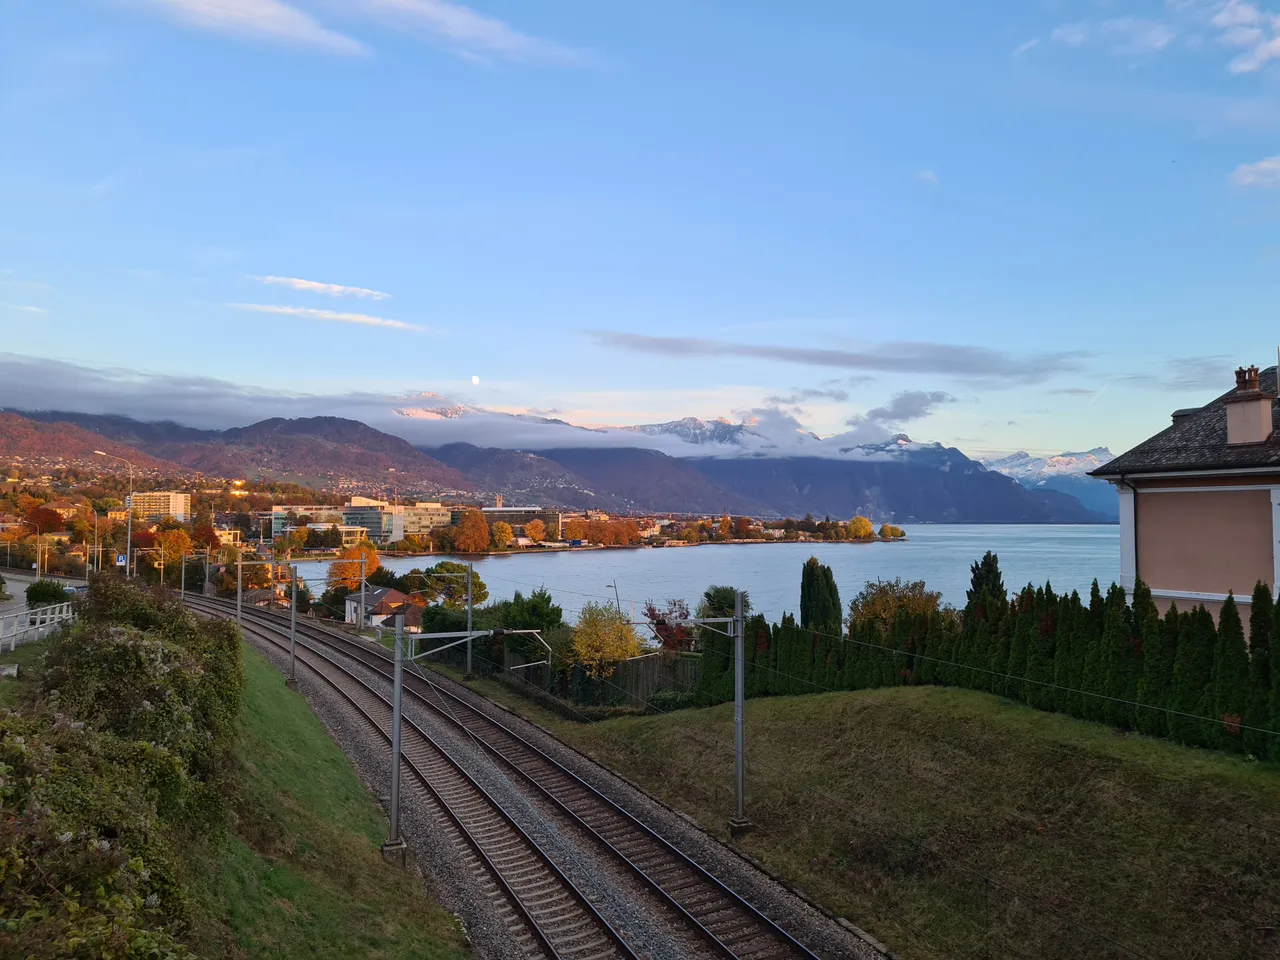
[239, 589]
[182, 588]
[471, 575]
[293, 631]
[360, 622]
[394, 847]
[739, 824]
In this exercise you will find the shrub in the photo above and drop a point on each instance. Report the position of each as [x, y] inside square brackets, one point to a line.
[664, 701]
[42, 593]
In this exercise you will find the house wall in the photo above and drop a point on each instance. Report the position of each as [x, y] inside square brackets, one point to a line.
[1195, 546]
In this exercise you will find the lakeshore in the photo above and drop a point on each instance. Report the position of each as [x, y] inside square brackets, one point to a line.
[1069, 557]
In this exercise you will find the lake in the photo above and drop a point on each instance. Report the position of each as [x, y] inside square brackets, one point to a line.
[1069, 557]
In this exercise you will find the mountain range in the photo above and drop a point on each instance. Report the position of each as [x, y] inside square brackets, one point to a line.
[1066, 473]
[747, 468]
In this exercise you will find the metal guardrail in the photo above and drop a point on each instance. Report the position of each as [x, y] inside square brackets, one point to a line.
[28, 626]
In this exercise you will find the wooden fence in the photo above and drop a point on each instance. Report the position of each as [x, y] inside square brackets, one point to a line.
[631, 684]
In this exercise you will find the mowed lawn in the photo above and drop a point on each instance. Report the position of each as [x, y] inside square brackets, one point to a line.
[951, 823]
[300, 874]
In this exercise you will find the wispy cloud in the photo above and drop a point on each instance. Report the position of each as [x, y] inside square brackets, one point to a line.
[808, 393]
[1074, 392]
[1125, 36]
[1024, 48]
[23, 308]
[466, 30]
[330, 289]
[975, 363]
[309, 313]
[271, 20]
[1264, 173]
[927, 176]
[1182, 374]
[1252, 31]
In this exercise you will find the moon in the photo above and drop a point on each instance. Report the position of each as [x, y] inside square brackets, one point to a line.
[475, 381]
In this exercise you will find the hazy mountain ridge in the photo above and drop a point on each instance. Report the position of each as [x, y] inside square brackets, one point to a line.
[895, 479]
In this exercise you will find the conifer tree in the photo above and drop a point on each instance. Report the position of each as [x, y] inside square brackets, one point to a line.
[1120, 663]
[1001, 643]
[1159, 646]
[1064, 654]
[931, 650]
[1193, 679]
[853, 651]
[819, 598]
[1015, 664]
[1230, 676]
[1040, 655]
[1261, 631]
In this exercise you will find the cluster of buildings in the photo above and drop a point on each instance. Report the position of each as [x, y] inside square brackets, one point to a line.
[383, 522]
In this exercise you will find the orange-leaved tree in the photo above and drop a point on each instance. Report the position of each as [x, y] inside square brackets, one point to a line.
[535, 530]
[473, 533]
[575, 529]
[345, 571]
[502, 535]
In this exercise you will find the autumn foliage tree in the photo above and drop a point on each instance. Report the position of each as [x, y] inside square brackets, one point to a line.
[575, 529]
[535, 530]
[473, 533]
[602, 639]
[502, 535]
[345, 571]
[860, 528]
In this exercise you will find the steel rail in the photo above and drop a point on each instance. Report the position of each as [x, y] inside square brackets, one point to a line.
[488, 830]
[733, 926]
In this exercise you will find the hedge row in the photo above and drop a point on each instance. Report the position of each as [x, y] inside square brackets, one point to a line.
[1113, 659]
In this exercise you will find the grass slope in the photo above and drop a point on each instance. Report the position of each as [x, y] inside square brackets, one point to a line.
[300, 874]
[893, 806]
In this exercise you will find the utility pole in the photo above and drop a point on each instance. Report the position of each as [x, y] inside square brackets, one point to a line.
[128, 546]
[360, 622]
[394, 848]
[182, 589]
[739, 824]
[616, 601]
[239, 590]
[292, 681]
[471, 575]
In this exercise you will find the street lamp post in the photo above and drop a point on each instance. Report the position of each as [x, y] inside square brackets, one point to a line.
[37, 526]
[128, 545]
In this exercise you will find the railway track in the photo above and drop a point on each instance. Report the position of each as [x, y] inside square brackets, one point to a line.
[546, 914]
[725, 921]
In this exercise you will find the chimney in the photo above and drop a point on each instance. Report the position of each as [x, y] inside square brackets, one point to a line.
[1248, 410]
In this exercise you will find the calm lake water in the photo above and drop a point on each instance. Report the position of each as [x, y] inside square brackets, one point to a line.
[1069, 557]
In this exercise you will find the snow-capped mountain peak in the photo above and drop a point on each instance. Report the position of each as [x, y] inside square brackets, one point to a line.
[1023, 466]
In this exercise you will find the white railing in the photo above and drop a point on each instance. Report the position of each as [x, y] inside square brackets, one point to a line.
[31, 625]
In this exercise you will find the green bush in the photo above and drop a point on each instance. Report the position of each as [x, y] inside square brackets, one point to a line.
[125, 759]
[664, 701]
[42, 593]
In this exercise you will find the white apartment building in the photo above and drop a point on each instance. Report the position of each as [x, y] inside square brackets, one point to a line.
[158, 504]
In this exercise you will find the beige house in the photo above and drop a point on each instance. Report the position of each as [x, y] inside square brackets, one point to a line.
[1200, 501]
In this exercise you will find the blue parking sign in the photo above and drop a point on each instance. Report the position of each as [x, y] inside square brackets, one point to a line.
[121, 560]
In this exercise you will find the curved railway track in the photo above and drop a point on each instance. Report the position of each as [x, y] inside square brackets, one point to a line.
[546, 913]
[726, 922]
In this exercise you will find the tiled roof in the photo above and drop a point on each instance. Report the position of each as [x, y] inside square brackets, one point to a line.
[1198, 441]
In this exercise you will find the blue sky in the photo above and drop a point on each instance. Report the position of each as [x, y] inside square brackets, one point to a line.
[1047, 223]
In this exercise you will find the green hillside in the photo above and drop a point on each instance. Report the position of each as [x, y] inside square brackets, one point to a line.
[951, 823]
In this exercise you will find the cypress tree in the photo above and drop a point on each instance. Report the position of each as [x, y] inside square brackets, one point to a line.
[1041, 654]
[819, 597]
[1000, 647]
[1064, 653]
[1159, 647]
[808, 586]
[1120, 665]
[852, 652]
[986, 584]
[931, 649]
[832, 613]
[1193, 679]
[1015, 662]
[1261, 631]
[1230, 675]
[985, 607]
